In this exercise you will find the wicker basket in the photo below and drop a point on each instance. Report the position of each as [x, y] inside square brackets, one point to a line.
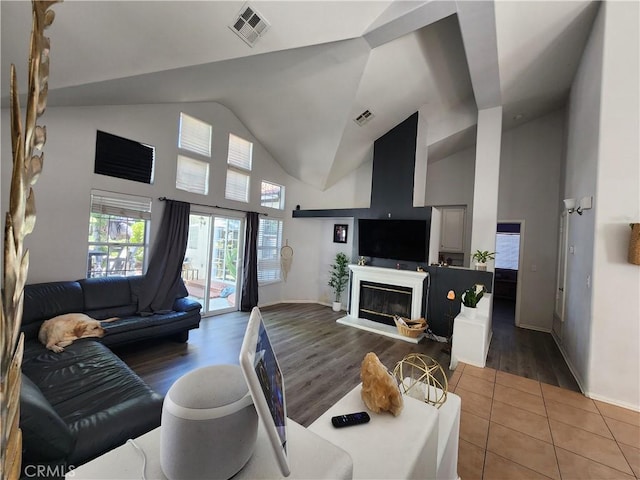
[413, 329]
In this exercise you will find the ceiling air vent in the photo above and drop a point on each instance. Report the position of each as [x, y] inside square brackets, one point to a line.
[249, 25]
[363, 118]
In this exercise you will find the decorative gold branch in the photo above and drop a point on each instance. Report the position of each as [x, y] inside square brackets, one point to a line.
[26, 146]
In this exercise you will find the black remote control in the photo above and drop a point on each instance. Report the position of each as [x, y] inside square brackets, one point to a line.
[350, 419]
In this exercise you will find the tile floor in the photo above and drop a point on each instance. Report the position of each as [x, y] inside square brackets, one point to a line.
[515, 428]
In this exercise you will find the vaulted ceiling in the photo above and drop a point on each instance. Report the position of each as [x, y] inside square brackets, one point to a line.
[319, 65]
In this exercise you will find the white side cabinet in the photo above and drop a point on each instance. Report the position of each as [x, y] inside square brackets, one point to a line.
[452, 229]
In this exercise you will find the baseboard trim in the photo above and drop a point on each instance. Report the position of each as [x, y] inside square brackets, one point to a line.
[573, 371]
[535, 328]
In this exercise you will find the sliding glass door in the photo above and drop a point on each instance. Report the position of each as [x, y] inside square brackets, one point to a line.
[211, 269]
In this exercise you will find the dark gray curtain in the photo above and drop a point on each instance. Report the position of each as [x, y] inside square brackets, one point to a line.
[163, 283]
[249, 297]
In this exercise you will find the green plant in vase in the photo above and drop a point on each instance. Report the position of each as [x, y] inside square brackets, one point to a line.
[481, 257]
[470, 298]
[338, 278]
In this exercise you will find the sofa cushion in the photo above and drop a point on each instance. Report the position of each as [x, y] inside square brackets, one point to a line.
[43, 301]
[105, 292]
[45, 436]
[125, 324]
[101, 400]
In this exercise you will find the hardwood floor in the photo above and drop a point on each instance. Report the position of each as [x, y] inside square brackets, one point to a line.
[321, 359]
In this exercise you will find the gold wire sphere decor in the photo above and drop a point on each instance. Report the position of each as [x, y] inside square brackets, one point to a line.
[421, 377]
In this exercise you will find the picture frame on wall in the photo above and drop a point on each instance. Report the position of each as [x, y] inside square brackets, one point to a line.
[340, 232]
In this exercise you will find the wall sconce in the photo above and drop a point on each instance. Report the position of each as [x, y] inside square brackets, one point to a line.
[570, 205]
[585, 204]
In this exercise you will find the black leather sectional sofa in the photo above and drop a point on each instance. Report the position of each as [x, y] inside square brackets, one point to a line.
[84, 401]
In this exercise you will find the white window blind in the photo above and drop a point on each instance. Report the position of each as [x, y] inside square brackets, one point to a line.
[192, 175]
[272, 195]
[237, 187]
[269, 244]
[194, 135]
[240, 152]
[507, 250]
[121, 205]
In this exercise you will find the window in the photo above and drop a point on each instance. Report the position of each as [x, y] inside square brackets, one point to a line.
[123, 158]
[507, 250]
[269, 244]
[272, 195]
[194, 139]
[195, 135]
[192, 175]
[118, 226]
[239, 161]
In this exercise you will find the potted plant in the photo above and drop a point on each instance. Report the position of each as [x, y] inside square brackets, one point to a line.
[338, 278]
[470, 299]
[481, 257]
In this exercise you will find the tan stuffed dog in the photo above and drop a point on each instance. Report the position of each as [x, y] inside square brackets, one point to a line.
[380, 391]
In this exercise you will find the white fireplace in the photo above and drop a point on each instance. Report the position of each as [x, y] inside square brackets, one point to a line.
[407, 280]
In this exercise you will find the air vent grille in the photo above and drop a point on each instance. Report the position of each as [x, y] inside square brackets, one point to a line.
[249, 25]
[363, 118]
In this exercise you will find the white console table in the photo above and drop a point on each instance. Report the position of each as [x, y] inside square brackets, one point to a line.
[309, 457]
[421, 442]
[472, 336]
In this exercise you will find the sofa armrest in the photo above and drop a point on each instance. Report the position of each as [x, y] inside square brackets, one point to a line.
[186, 305]
[45, 436]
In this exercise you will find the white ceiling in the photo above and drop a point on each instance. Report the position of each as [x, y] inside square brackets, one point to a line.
[320, 65]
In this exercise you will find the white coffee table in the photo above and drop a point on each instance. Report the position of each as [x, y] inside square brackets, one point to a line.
[389, 447]
[309, 456]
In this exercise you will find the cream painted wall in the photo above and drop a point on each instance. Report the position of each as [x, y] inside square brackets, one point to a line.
[530, 169]
[614, 363]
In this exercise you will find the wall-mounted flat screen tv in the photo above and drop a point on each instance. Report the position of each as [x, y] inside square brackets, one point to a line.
[393, 239]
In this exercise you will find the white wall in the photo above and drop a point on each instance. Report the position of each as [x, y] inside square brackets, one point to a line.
[487, 173]
[530, 172]
[614, 364]
[580, 180]
[58, 245]
[450, 183]
[601, 336]
[312, 238]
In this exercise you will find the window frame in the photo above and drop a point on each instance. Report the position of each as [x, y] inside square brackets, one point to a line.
[281, 196]
[239, 165]
[112, 210]
[199, 156]
[274, 262]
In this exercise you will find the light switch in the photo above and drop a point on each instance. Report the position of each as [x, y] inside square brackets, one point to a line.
[572, 249]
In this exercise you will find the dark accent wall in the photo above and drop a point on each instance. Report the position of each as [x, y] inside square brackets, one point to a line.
[443, 279]
[393, 169]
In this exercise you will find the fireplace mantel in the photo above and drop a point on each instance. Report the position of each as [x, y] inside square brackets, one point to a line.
[405, 278]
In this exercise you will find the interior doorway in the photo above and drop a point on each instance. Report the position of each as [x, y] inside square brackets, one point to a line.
[211, 269]
[508, 261]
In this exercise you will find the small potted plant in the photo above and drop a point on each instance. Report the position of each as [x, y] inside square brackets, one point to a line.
[481, 257]
[470, 299]
[338, 278]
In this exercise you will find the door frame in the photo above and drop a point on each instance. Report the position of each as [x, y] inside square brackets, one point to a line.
[212, 214]
[521, 247]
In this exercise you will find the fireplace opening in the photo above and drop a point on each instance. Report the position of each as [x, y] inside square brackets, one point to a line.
[380, 302]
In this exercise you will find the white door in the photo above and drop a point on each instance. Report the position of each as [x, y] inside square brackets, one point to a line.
[563, 244]
[452, 232]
